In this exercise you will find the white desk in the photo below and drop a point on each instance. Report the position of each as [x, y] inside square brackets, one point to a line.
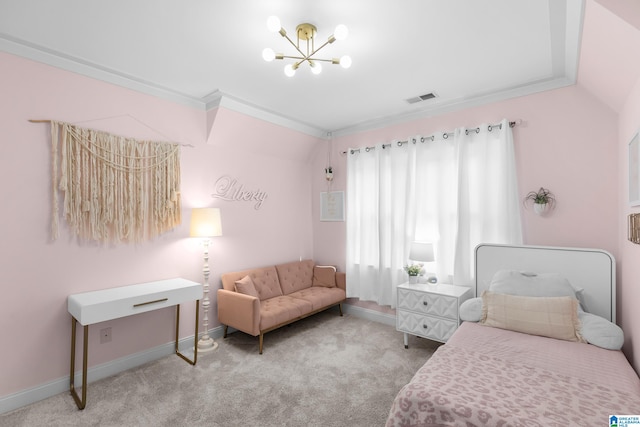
[108, 304]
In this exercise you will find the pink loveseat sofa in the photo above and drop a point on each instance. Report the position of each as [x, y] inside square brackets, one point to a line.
[260, 300]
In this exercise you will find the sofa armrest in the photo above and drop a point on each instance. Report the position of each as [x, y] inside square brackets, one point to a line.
[239, 311]
[341, 280]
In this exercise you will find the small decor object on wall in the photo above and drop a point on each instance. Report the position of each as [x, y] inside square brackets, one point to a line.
[228, 188]
[332, 206]
[328, 173]
[542, 200]
[633, 233]
[634, 170]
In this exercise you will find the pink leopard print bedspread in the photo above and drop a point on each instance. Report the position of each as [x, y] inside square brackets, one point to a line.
[491, 377]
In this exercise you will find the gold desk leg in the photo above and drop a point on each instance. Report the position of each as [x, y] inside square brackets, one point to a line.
[195, 340]
[81, 403]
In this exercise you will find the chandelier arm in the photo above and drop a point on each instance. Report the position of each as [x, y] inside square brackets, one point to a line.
[310, 57]
[293, 44]
[324, 60]
[331, 40]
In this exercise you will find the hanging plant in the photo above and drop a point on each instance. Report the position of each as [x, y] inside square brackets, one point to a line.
[541, 199]
[328, 173]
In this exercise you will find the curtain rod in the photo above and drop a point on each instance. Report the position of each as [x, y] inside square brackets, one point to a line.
[445, 135]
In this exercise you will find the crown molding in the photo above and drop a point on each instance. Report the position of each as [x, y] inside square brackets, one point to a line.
[219, 99]
[76, 65]
[565, 70]
[456, 105]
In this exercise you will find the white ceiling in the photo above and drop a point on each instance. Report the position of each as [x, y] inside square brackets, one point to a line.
[207, 53]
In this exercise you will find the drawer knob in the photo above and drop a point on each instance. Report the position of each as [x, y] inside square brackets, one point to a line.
[425, 326]
[425, 303]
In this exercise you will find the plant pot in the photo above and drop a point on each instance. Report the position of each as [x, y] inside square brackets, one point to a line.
[413, 279]
[540, 208]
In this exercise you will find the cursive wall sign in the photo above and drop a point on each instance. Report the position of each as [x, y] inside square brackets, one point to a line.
[227, 188]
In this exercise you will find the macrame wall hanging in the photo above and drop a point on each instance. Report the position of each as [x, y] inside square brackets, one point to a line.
[114, 189]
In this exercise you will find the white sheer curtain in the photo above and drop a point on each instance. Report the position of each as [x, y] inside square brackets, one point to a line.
[457, 190]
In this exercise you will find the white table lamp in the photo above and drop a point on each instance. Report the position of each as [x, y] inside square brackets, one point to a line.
[206, 223]
[423, 252]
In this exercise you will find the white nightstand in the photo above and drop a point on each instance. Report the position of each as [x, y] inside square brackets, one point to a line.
[429, 311]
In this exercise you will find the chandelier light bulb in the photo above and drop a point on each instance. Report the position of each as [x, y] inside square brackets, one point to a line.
[316, 68]
[345, 61]
[268, 54]
[341, 32]
[273, 24]
[289, 71]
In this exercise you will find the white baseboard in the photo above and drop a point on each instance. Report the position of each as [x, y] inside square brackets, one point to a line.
[98, 372]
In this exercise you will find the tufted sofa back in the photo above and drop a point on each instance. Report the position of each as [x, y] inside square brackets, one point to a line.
[276, 280]
[265, 280]
[295, 276]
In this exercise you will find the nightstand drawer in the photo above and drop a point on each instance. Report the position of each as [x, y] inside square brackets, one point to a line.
[427, 303]
[429, 327]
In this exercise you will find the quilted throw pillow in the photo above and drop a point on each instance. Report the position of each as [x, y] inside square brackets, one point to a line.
[246, 286]
[553, 317]
[324, 275]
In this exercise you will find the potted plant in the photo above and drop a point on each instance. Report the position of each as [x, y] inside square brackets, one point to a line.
[413, 270]
[541, 199]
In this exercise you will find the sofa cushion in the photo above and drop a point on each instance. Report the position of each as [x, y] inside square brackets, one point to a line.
[295, 276]
[282, 309]
[320, 296]
[246, 286]
[324, 275]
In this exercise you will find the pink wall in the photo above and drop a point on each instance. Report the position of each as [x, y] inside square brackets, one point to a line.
[629, 253]
[37, 274]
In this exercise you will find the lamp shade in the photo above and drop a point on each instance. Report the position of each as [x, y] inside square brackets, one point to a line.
[421, 251]
[205, 222]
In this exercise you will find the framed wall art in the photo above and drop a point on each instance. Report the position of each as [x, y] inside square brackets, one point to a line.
[332, 206]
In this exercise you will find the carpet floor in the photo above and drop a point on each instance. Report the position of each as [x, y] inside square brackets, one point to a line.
[324, 370]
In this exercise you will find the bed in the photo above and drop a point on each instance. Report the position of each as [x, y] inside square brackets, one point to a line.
[496, 376]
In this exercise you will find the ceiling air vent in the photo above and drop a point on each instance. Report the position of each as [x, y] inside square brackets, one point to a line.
[421, 98]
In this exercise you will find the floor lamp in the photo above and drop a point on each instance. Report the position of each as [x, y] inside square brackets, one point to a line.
[206, 223]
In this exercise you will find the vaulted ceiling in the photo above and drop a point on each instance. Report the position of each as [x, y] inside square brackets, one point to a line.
[207, 53]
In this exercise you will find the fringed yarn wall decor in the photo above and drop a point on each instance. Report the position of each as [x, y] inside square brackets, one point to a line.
[114, 189]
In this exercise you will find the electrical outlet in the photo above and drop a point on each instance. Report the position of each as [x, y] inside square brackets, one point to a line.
[105, 335]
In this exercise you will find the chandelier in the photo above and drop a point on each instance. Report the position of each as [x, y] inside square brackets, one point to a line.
[305, 33]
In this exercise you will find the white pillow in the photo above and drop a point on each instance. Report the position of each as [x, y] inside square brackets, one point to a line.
[526, 284]
[471, 310]
[600, 332]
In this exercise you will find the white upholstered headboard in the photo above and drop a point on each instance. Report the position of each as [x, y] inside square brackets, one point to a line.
[593, 270]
